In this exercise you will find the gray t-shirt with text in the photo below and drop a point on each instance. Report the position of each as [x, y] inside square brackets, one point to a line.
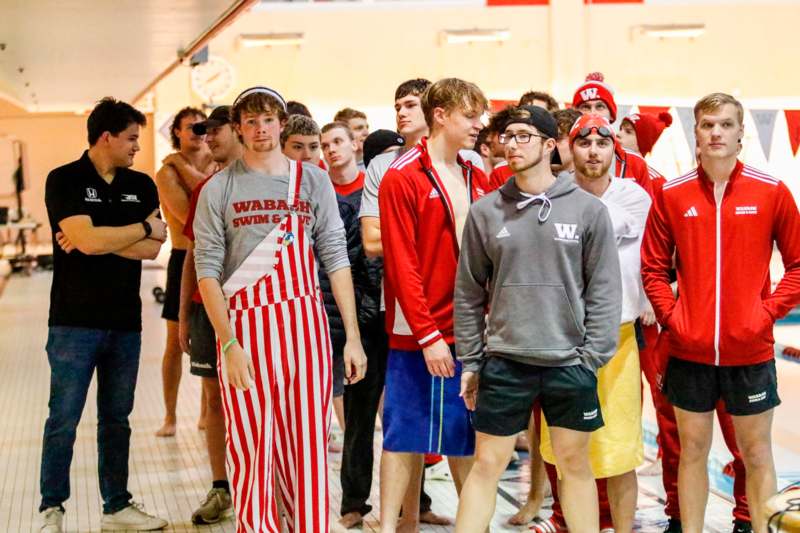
[239, 207]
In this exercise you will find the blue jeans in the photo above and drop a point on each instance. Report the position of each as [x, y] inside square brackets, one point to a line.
[74, 354]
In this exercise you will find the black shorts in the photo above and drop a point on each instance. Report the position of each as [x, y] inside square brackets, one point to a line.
[507, 390]
[172, 294]
[746, 390]
[203, 340]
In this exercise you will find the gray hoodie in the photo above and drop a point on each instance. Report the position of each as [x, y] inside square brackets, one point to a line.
[547, 268]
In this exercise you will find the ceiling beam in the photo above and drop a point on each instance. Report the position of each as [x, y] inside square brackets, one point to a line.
[226, 19]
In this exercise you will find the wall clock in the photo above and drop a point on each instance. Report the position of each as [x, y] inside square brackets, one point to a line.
[213, 79]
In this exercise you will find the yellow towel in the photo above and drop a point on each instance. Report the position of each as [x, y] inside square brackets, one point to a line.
[617, 447]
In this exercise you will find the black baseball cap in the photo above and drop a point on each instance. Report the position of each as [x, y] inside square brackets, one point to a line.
[378, 141]
[219, 116]
[533, 115]
[541, 119]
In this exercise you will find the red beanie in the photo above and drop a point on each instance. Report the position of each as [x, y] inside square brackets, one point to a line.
[595, 89]
[648, 128]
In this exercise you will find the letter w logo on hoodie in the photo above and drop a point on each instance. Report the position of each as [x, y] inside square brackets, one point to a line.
[567, 232]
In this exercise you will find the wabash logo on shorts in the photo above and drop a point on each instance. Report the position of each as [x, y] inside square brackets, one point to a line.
[590, 93]
[567, 232]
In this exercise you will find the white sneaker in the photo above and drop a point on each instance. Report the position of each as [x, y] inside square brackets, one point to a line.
[439, 472]
[52, 520]
[131, 518]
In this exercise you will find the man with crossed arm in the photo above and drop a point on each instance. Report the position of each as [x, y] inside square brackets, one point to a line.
[104, 219]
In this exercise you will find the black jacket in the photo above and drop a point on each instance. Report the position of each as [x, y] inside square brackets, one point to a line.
[366, 278]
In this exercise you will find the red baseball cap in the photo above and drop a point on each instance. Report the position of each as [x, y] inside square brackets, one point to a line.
[588, 123]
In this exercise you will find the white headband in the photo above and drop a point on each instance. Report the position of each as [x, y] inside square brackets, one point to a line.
[261, 89]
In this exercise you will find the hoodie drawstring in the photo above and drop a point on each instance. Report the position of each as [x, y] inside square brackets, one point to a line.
[544, 209]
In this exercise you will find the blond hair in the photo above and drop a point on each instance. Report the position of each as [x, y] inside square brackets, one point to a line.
[298, 125]
[344, 115]
[712, 102]
[257, 102]
[451, 94]
[338, 124]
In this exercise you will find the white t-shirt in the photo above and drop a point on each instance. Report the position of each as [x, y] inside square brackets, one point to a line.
[628, 205]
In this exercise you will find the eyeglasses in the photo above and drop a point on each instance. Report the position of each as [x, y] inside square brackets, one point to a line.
[602, 131]
[521, 138]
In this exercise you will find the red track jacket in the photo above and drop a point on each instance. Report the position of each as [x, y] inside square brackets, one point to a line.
[724, 313]
[631, 165]
[657, 180]
[420, 250]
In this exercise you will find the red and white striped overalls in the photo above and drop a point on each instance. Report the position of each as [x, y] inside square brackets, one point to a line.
[277, 431]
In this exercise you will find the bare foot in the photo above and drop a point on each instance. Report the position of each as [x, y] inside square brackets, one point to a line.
[432, 518]
[351, 520]
[526, 513]
[167, 430]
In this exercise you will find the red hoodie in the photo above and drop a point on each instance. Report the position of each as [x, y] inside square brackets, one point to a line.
[724, 313]
[420, 249]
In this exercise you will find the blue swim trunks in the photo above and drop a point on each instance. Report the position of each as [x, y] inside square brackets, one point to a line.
[423, 413]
